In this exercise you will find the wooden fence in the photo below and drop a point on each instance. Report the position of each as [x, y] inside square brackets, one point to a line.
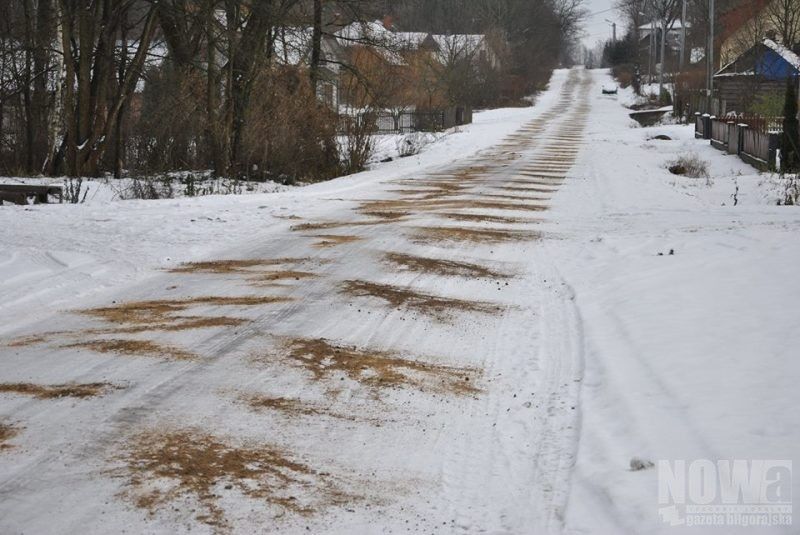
[759, 148]
[719, 133]
[755, 141]
[702, 126]
[409, 121]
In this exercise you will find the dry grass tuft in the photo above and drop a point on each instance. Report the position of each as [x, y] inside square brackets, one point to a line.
[332, 240]
[379, 369]
[72, 390]
[134, 348]
[432, 305]
[427, 235]
[445, 268]
[166, 467]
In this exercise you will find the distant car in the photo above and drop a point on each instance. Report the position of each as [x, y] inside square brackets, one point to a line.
[609, 90]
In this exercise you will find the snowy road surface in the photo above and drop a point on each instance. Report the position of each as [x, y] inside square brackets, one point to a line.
[473, 341]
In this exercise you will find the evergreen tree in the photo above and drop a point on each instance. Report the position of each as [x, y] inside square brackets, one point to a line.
[790, 140]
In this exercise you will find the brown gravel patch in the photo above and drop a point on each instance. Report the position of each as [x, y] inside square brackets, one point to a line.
[164, 313]
[379, 369]
[449, 204]
[294, 408]
[393, 215]
[537, 181]
[182, 323]
[444, 268]
[71, 390]
[499, 205]
[332, 240]
[273, 276]
[166, 468]
[231, 266]
[253, 270]
[540, 198]
[26, 341]
[427, 235]
[528, 189]
[487, 218]
[7, 432]
[288, 406]
[338, 224]
[133, 348]
[436, 306]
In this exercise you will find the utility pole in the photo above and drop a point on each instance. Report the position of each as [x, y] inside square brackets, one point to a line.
[663, 63]
[683, 37]
[650, 52]
[710, 55]
[613, 29]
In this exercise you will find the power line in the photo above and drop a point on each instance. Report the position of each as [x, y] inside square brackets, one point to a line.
[601, 12]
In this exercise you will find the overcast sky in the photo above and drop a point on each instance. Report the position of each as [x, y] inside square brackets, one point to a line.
[596, 28]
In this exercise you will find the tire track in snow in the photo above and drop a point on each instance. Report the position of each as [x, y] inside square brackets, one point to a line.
[533, 345]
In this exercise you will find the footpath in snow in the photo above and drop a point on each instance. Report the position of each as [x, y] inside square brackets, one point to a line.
[690, 316]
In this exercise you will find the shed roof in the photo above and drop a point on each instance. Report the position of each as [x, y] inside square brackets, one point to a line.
[767, 59]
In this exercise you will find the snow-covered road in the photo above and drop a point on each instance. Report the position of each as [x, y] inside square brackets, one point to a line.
[475, 340]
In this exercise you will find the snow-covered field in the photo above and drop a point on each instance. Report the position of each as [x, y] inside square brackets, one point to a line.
[456, 342]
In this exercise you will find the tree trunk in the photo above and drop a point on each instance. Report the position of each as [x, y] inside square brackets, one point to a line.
[55, 123]
[41, 68]
[316, 47]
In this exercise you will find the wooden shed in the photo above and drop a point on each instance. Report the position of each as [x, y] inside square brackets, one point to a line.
[759, 73]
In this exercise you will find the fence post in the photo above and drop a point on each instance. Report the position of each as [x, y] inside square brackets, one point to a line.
[707, 126]
[774, 142]
[733, 138]
[742, 129]
[698, 131]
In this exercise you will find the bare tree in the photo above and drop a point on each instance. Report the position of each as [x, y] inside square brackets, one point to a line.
[784, 17]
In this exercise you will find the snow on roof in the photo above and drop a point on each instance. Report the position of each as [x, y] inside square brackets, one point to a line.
[372, 34]
[787, 55]
[411, 39]
[365, 31]
[388, 43]
[458, 45]
[676, 25]
[790, 57]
